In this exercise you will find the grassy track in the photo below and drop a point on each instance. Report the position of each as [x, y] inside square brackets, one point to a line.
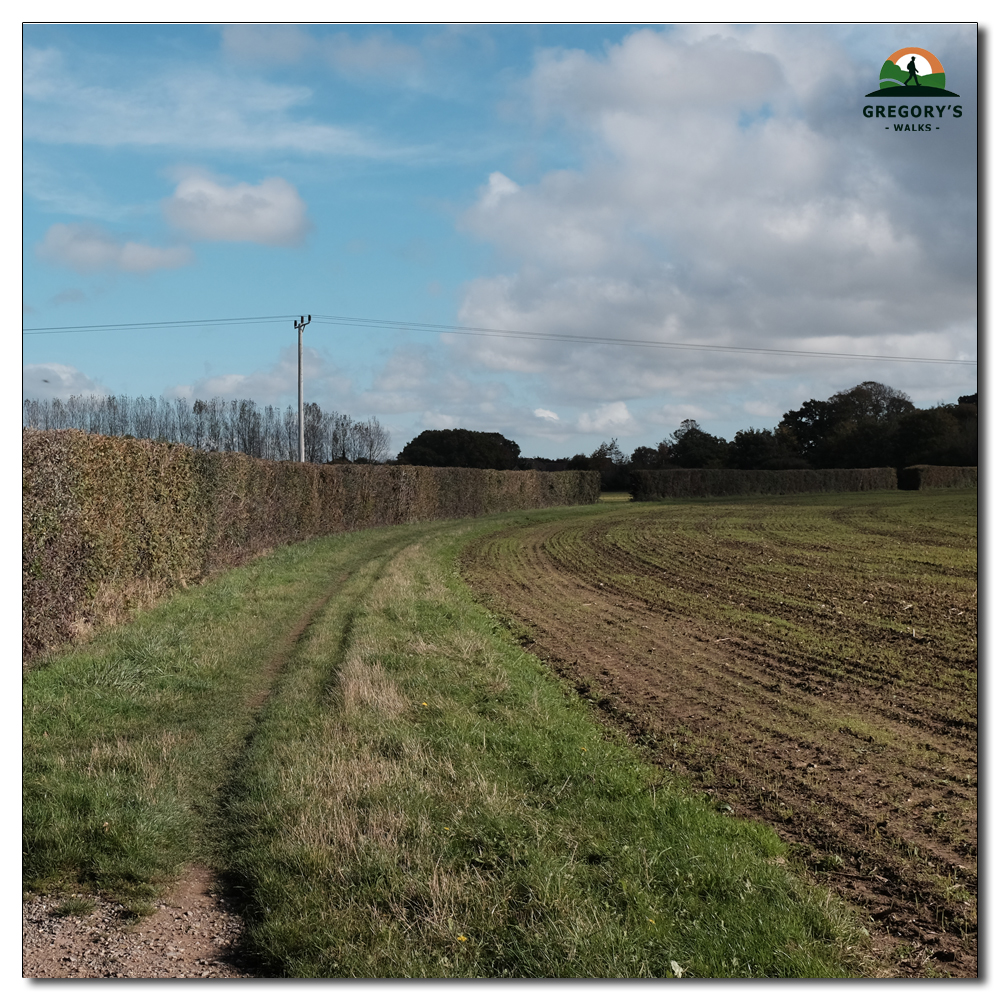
[415, 795]
[810, 659]
[128, 741]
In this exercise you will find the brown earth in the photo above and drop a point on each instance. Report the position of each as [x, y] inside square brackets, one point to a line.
[192, 934]
[872, 783]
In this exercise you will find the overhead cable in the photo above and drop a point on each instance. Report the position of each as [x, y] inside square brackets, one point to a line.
[364, 322]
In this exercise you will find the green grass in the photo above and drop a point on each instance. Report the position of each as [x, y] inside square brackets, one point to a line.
[417, 797]
[127, 741]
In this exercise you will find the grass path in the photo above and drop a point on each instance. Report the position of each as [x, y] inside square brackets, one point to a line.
[398, 789]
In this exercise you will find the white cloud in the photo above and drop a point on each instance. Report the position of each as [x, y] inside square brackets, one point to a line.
[546, 415]
[376, 56]
[439, 421]
[270, 212]
[496, 189]
[52, 380]
[762, 408]
[86, 248]
[187, 107]
[713, 203]
[609, 417]
[275, 384]
[268, 44]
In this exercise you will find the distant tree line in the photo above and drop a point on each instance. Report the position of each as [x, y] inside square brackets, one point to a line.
[218, 425]
[869, 426]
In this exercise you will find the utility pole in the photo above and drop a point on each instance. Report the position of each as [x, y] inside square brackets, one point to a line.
[300, 325]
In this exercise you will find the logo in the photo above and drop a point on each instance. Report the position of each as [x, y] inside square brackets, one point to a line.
[912, 73]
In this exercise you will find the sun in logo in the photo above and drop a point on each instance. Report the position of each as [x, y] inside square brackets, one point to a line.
[916, 71]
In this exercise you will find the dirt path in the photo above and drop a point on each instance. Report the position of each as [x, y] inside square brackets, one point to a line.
[192, 934]
[755, 725]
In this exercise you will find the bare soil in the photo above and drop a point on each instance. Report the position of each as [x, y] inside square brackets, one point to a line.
[192, 934]
[873, 784]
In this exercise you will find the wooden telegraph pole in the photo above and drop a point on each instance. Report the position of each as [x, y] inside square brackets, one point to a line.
[300, 325]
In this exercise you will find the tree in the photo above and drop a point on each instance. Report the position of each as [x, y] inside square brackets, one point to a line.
[461, 448]
[608, 459]
[854, 428]
[314, 432]
[693, 448]
[373, 440]
[763, 449]
[942, 435]
[652, 458]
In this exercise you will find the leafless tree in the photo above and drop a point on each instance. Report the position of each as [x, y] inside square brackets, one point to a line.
[217, 425]
[373, 441]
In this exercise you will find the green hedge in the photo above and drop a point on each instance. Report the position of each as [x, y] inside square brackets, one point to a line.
[106, 517]
[922, 477]
[659, 484]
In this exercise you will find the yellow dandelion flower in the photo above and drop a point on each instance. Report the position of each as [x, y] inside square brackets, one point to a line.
[424, 703]
[462, 937]
[651, 920]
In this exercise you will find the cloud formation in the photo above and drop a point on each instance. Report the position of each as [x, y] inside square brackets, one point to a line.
[270, 212]
[717, 201]
[376, 57]
[274, 383]
[56, 381]
[187, 107]
[611, 417]
[87, 248]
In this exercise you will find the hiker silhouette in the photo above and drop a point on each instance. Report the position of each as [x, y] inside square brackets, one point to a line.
[912, 67]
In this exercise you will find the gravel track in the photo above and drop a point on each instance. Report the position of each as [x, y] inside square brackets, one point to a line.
[192, 934]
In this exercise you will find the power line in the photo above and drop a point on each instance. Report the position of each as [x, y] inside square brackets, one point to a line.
[168, 324]
[363, 322]
[617, 341]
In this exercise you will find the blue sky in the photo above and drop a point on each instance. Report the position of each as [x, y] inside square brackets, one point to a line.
[694, 184]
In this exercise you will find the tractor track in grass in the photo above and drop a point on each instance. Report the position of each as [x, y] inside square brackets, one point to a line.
[195, 930]
[870, 773]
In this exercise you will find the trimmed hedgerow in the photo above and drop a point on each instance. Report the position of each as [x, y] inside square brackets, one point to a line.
[106, 517]
[923, 477]
[659, 484]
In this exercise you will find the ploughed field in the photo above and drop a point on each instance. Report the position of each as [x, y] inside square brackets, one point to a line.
[806, 661]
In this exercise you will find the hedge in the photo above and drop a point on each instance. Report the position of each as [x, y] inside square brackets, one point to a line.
[107, 518]
[922, 477]
[659, 484]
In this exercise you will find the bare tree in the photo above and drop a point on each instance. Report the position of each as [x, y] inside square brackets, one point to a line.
[217, 425]
[373, 441]
[315, 432]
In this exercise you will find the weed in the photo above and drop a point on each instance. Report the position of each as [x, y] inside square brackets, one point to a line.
[75, 906]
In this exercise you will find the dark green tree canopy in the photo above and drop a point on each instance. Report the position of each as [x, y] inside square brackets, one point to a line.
[693, 448]
[764, 449]
[854, 428]
[460, 448]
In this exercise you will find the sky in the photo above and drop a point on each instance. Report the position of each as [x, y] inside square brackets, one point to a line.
[705, 185]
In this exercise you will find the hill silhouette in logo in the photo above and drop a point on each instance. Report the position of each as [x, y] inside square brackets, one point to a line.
[914, 90]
